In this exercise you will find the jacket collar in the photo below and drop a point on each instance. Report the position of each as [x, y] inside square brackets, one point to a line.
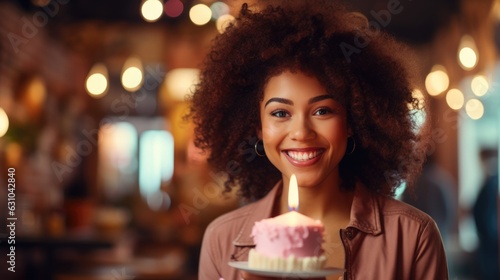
[365, 213]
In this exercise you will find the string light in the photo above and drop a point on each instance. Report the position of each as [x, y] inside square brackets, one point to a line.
[467, 53]
[151, 10]
[474, 109]
[437, 80]
[455, 99]
[479, 85]
[200, 14]
[97, 81]
[132, 74]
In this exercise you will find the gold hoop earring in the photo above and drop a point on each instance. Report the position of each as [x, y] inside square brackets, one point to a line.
[353, 145]
[261, 147]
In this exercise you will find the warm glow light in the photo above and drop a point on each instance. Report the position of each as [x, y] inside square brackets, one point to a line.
[200, 14]
[4, 122]
[468, 58]
[293, 194]
[132, 76]
[474, 109]
[479, 85]
[223, 22]
[417, 94]
[417, 112]
[180, 82]
[151, 10]
[455, 99]
[97, 80]
[467, 53]
[437, 80]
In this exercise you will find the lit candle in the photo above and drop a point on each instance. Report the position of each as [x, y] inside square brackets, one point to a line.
[293, 194]
[286, 235]
[293, 217]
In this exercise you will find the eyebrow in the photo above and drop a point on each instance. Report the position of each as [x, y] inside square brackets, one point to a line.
[290, 102]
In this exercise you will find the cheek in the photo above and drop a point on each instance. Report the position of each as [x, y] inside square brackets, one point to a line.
[271, 130]
[338, 133]
[270, 136]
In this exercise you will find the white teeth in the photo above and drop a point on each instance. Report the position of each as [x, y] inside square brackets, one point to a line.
[301, 156]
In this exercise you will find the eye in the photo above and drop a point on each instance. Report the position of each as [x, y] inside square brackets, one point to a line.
[322, 111]
[280, 113]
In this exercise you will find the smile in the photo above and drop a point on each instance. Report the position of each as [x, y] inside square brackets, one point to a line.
[303, 156]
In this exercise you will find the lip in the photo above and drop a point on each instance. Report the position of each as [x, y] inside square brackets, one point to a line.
[304, 163]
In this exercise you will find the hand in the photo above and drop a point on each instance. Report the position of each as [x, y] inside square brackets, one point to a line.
[248, 276]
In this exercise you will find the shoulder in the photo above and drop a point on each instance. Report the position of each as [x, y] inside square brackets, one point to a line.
[401, 218]
[220, 236]
[391, 208]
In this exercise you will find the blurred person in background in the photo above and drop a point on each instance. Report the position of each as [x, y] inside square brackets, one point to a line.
[433, 194]
[485, 213]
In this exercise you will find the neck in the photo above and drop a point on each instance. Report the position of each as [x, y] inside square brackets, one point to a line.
[323, 201]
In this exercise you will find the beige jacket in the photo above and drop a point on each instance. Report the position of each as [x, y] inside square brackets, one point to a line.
[385, 239]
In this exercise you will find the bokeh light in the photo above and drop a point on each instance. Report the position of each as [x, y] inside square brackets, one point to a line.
[219, 9]
[151, 10]
[479, 85]
[132, 76]
[97, 81]
[467, 53]
[474, 109]
[417, 112]
[455, 99]
[468, 58]
[223, 22]
[180, 82]
[4, 122]
[200, 14]
[437, 80]
[173, 8]
[417, 94]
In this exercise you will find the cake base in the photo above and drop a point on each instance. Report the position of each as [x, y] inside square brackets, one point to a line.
[292, 263]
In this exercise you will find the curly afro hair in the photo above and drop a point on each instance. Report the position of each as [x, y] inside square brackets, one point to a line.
[362, 65]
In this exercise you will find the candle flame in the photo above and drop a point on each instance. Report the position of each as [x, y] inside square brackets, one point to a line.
[293, 194]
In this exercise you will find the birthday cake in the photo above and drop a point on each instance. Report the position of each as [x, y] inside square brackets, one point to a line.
[288, 242]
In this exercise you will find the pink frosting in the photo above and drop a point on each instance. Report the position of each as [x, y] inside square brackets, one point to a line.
[288, 234]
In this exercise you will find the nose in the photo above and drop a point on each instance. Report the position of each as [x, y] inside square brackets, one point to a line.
[301, 129]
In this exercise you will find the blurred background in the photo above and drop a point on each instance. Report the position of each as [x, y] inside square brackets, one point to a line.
[108, 184]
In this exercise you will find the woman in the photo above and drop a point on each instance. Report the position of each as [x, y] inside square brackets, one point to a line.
[289, 89]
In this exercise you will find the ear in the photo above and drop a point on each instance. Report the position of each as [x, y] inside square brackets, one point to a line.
[258, 131]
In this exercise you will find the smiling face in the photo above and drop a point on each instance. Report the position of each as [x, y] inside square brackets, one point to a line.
[304, 129]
